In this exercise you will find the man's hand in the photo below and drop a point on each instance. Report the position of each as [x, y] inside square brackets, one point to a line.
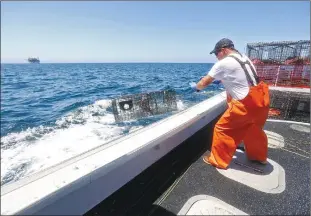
[193, 86]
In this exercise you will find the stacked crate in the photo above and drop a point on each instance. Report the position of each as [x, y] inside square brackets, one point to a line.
[284, 63]
[290, 105]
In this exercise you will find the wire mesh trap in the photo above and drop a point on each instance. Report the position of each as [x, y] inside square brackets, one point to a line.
[142, 105]
[282, 63]
[280, 52]
[285, 75]
[294, 106]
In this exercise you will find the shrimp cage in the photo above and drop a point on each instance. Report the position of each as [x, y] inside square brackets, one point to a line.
[282, 52]
[142, 105]
[283, 63]
[290, 105]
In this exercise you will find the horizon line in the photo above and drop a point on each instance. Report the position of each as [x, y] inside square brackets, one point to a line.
[109, 63]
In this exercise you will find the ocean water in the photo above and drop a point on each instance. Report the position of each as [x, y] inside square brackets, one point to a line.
[51, 112]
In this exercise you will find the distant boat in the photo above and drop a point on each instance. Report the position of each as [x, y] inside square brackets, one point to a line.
[33, 60]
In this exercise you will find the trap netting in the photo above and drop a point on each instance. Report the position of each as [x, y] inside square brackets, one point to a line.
[285, 63]
[285, 75]
[137, 106]
[290, 105]
[282, 52]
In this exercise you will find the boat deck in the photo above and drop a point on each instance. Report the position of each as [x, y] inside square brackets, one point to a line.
[181, 183]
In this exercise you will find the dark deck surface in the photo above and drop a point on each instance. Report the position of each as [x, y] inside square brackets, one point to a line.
[164, 188]
[203, 179]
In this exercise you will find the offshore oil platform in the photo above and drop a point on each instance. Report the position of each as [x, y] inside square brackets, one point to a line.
[33, 60]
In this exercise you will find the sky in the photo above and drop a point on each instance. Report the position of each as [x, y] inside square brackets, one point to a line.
[143, 31]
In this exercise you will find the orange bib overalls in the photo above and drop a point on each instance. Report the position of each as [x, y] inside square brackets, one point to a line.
[242, 121]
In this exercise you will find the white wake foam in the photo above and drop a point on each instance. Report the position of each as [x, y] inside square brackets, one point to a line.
[180, 105]
[35, 149]
[38, 148]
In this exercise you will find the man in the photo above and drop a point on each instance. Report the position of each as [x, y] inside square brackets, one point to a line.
[248, 106]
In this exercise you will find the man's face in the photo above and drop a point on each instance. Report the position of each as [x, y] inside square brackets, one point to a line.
[219, 54]
[222, 53]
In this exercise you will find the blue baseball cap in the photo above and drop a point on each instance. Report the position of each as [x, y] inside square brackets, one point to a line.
[223, 43]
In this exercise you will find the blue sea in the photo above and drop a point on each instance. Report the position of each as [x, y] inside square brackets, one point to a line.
[51, 112]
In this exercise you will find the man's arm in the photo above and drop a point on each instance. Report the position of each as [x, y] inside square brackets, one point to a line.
[204, 82]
